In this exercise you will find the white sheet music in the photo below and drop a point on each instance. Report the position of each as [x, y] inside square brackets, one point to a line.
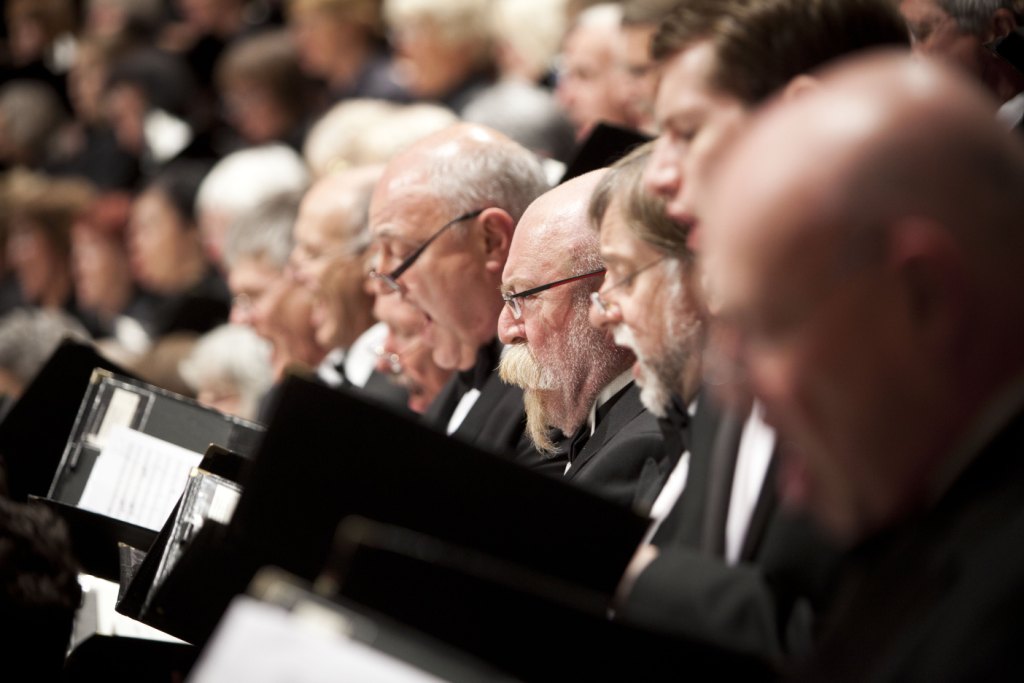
[138, 478]
[261, 643]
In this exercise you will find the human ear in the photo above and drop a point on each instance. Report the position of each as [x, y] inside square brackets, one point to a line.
[497, 228]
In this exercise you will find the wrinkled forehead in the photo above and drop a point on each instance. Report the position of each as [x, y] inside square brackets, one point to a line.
[536, 256]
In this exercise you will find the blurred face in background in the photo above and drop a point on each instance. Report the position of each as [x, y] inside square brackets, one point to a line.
[85, 83]
[125, 107]
[589, 84]
[34, 258]
[404, 356]
[249, 280]
[640, 79]
[99, 267]
[429, 65]
[282, 316]
[252, 110]
[159, 241]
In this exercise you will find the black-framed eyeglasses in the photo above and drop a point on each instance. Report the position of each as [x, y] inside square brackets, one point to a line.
[514, 299]
[391, 279]
[600, 299]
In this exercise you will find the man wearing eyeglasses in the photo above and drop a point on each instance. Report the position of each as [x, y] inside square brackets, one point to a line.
[648, 303]
[728, 535]
[573, 376]
[443, 215]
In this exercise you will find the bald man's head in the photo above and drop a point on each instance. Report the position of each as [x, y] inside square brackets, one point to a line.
[869, 272]
[560, 361]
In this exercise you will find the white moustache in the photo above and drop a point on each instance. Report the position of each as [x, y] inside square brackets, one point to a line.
[623, 337]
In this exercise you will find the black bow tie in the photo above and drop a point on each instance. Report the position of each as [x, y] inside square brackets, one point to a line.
[675, 428]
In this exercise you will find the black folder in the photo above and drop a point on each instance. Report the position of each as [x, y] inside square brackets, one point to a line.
[95, 537]
[327, 454]
[157, 412]
[139, 583]
[605, 145]
[35, 430]
[345, 621]
[513, 618]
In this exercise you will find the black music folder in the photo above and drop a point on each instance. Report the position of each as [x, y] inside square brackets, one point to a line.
[532, 626]
[140, 424]
[126, 463]
[35, 430]
[606, 144]
[328, 454]
[142, 572]
[304, 637]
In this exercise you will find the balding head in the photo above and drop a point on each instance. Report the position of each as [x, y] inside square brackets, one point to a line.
[485, 180]
[870, 271]
[555, 356]
[553, 232]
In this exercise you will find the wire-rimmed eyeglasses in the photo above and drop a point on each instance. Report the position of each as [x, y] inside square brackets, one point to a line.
[391, 279]
[599, 298]
[514, 299]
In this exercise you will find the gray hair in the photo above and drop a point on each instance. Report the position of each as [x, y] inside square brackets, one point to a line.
[454, 21]
[398, 129]
[244, 179]
[973, 16]
[233, 354]
[534, 29]
[263, 232]
[29, 336]
[526, 113]
[504, 175]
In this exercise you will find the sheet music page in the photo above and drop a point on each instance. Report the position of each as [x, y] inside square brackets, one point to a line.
[138, 478]
[261, 643]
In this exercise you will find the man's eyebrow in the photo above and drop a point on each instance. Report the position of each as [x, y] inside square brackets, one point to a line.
[389, 233]
[614, 259]
[512, 286]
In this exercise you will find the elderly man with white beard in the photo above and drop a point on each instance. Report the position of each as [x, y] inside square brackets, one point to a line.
[575, 380]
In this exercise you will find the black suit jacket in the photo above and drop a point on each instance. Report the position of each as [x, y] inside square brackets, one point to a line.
[765, 603]
[497, 420]
[625, 442]
[939, 596]
[682, 525]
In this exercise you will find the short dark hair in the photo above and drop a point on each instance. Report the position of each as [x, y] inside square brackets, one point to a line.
[760, 46]
[269, 60]
[179, 181]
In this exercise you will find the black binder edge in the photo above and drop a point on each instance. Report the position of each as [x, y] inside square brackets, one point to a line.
[95, 537]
